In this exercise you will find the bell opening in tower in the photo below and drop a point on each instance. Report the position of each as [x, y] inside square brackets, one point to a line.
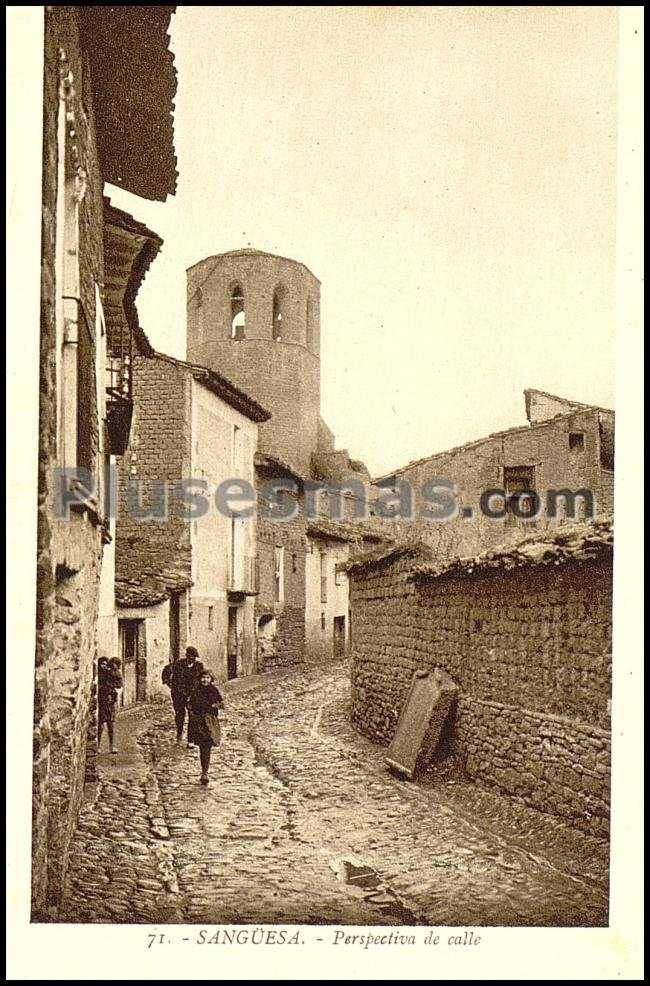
[237, 313]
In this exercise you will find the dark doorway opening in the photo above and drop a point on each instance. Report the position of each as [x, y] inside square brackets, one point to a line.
[339, 636]
[233, 643]
[134, 663]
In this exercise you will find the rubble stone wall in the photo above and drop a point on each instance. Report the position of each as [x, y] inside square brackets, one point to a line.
[479, 466]
[531, 653]
[288, 648]
[69, 552]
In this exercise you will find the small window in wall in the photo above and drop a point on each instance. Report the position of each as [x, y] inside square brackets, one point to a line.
[576, 441]
[322, 621]
[294, 563]
[237, 313]
[279, 315]
[339, 578]
[210, 617]
[519, 488]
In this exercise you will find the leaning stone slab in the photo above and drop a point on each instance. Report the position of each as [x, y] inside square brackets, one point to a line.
[423, 716]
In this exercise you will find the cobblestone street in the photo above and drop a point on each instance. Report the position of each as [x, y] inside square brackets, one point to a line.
[302, 824]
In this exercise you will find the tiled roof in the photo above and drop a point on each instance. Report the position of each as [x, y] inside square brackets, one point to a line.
[129, 250]
[563, 544]
[343, 530]
[274, 464]
[148, 589]
[223, 388]
[133, 86]
[385, 553]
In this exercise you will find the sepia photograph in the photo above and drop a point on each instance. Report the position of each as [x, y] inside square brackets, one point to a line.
[324, 470]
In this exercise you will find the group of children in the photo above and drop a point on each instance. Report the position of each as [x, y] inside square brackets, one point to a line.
[194, 695]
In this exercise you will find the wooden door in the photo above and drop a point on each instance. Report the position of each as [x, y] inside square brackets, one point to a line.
[232, 646]
[339, 636]
[131, 672]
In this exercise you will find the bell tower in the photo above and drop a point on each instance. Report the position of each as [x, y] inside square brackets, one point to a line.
[255, 318]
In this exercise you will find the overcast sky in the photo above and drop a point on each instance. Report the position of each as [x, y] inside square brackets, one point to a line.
[447, 173]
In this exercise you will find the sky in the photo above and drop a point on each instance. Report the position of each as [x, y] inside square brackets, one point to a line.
[448, 173]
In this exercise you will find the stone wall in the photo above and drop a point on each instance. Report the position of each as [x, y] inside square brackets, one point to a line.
[288, 646]
[321, 563]
[531, 653]
[607, 491]
[69, 551]
[479, 466]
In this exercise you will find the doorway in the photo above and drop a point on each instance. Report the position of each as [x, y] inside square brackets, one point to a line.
[339, 636]
[134, 665]
[232, 646]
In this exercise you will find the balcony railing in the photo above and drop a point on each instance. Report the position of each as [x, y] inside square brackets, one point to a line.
[244, 578]
[119, 403]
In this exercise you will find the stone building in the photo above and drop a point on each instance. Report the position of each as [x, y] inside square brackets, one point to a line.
[256, 317]
[565, 446]
[185, 573]
[96, 128]
[327, 611]
[281, 555]
[524, 631]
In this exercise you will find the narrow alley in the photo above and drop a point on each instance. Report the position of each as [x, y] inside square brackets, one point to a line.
[302, 824]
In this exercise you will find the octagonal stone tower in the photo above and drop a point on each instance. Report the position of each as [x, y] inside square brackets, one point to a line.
[255, 318]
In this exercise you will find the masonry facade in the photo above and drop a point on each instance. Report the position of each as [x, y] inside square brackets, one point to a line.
[79, 153]
[256, 317]
[525, 633]
[565, 446]
[330, 544]
[186, 575]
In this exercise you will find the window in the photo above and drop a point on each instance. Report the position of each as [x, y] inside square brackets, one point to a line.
[279, 575]
[339, 578]
[278, 327]
[519, 488]
[210, 617]
[82, 393]
[576, 441]
[237, 313]
[294, 563]
[323, 577]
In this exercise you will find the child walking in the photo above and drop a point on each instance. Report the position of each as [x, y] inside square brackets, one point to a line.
[204, 728]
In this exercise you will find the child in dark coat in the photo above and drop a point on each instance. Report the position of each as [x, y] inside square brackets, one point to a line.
[181, 677]
[204, 728]
[109, 681]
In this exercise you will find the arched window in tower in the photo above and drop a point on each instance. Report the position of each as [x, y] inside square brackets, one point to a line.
[279, 317]
[310, 324]
[237, 313]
